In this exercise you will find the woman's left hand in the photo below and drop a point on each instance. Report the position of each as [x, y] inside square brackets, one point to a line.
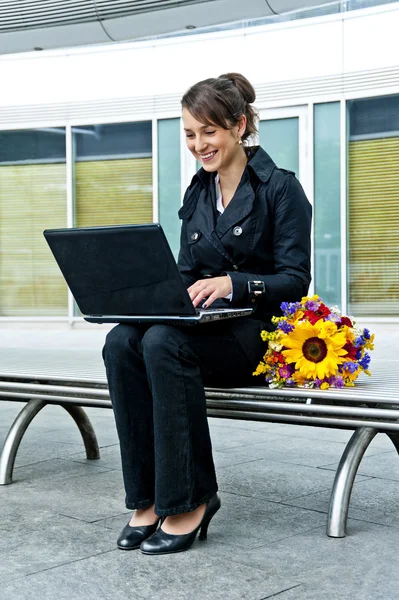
[211, 288]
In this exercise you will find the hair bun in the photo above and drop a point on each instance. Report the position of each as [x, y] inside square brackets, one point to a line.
[243, 86]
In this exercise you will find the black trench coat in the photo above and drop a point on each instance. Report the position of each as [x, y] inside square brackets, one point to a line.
[264, 234]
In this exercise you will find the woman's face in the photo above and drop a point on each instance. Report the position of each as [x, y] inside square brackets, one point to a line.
[216, 148]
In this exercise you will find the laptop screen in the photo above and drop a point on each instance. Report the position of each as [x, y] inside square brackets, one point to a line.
[120, 270]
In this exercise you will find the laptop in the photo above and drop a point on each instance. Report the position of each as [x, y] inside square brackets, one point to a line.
[127, 274]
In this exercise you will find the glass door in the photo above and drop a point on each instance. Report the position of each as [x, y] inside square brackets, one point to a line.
[282, 133]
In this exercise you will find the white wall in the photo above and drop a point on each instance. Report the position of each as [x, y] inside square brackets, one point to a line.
[318, 48]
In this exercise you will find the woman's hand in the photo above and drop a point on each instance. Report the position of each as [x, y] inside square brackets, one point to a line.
[210, 288]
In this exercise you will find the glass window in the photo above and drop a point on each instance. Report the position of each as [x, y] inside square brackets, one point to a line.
[280, 139]
[118, 139]
[113, 174]
[32, 198]
[373, 206]
[169, 185]
[326, 215]
[32, 146]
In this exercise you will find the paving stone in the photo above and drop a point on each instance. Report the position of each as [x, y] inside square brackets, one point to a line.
[120, 575]
[110, 458]
[39, 449]
[379, 495]
[77, 490]
[383, 466]
[233, 438]
[241, 424]
[301, 555]
[325, 434]
[68, 433]
[276, 481]
[361, 566]
[34, 541]
[295, 450]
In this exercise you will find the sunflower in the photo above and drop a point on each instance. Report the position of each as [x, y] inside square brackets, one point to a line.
[316, 350]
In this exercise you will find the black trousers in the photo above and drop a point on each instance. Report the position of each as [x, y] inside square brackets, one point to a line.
[156, 376]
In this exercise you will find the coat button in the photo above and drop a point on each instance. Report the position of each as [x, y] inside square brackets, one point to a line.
[195, 236]
[237, 231]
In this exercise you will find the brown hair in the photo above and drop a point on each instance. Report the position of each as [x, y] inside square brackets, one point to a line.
[222, 101]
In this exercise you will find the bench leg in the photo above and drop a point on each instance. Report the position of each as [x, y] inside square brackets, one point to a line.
[86, 429]
[394, 437]
[14, 438]
[344, 478]
[22, 422]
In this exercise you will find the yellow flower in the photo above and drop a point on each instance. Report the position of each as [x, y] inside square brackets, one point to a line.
[314, 298]
[350, 377]
[298, 378]
[370, 343]
[324, 385]
[260, 369]
[275, 346]
[316, 350]
[348, 333]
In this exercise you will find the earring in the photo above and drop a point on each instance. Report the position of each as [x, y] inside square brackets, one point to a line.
[240, 142]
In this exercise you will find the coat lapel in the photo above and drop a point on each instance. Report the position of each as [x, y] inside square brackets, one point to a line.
[238, 208]
[204, 220]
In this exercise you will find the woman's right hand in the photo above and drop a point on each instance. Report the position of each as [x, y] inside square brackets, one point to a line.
[210, 289]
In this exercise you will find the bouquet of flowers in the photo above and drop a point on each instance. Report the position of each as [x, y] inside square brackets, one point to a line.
[314, 346]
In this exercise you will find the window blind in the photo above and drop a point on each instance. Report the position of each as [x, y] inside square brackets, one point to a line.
[32, 198]
[113, 192]
[374, 227]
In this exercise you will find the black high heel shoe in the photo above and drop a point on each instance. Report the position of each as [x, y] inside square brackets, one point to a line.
[166, 543]
[130, 538]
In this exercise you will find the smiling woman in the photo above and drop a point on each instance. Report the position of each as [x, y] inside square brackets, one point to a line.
[217, 115]
[245, 242]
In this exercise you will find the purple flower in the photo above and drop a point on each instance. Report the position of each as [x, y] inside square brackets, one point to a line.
[366, 334]
[312, 305]
[290, 382]
[350, 366]
[293, 307]
[284, 372]
[359, 341]
[318, 382]
[364, 363]
[285, 327]
[358, 353]
[333, 317]
[336, 381]
[290, 308]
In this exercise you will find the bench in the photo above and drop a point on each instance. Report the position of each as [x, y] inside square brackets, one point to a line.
[75, 379]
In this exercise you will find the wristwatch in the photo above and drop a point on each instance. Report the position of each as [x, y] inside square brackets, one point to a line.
[255, 291]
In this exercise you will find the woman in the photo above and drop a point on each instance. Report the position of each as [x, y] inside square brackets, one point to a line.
[245, 241]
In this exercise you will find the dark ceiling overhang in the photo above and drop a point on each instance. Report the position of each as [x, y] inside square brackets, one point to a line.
[27, 25]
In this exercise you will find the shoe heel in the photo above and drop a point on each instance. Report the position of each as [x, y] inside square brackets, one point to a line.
[204, 530]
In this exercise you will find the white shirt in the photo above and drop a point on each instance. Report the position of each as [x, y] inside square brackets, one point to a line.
[220, 209]
[219, 203]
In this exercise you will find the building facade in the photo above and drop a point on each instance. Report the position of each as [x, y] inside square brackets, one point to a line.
[93, 136]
